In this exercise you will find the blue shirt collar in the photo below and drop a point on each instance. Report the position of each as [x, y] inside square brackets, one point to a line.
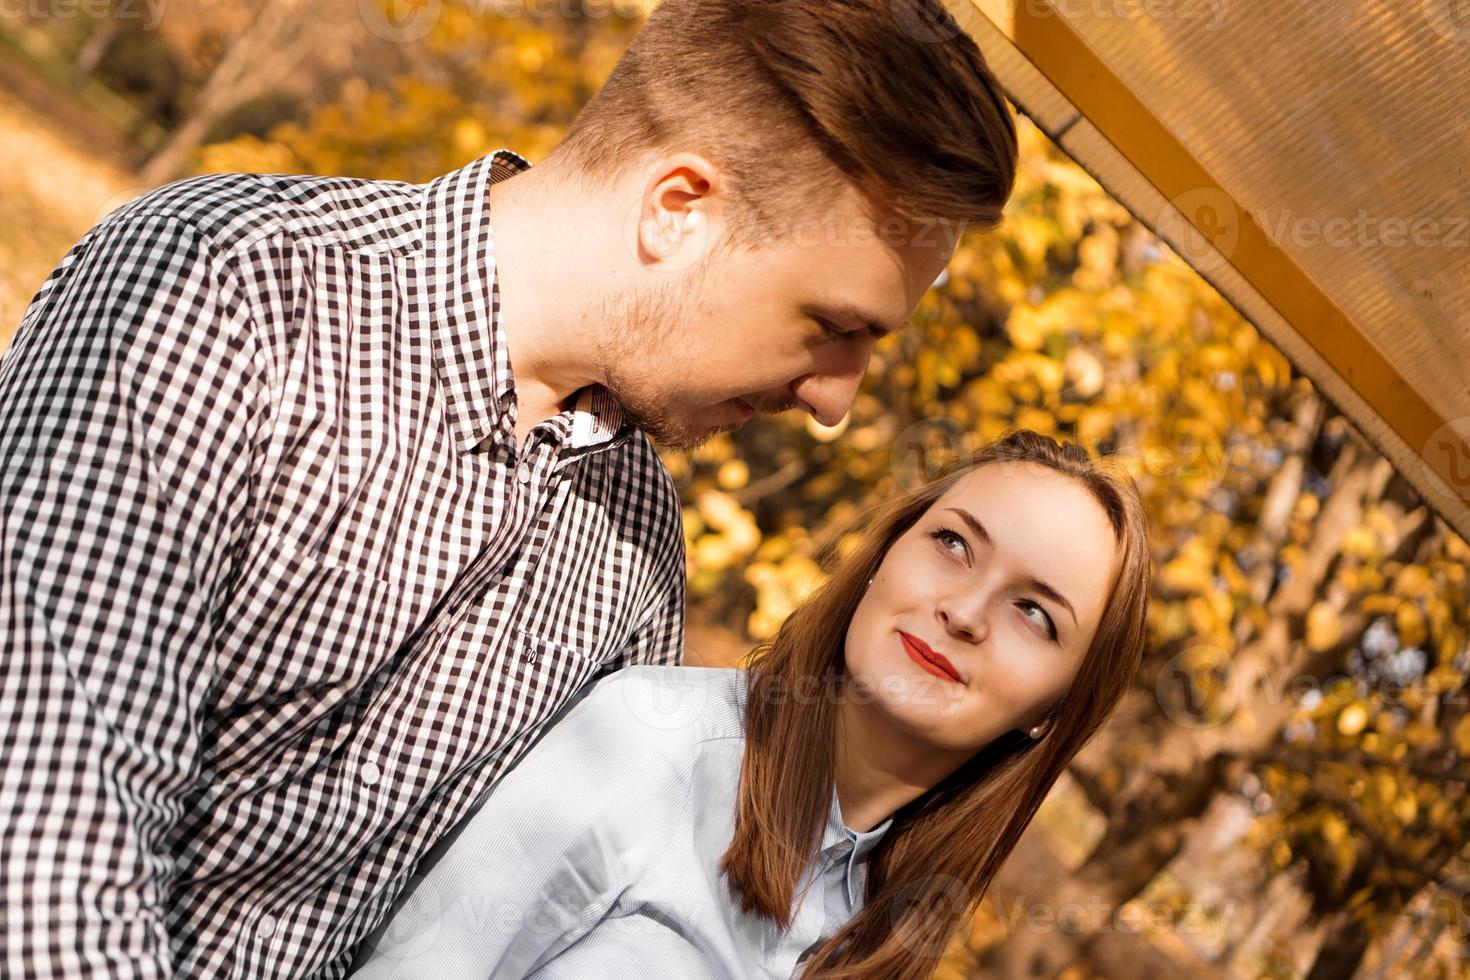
[841, 843]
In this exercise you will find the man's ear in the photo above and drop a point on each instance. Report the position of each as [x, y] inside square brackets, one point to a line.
[681, 212]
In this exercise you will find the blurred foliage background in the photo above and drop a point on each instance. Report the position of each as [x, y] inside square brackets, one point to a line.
[1283, 793]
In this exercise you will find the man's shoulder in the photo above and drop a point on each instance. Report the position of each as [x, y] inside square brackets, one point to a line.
[232, 211]
[641, 478]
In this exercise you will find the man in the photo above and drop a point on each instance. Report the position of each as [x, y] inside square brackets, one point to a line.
[320, 494]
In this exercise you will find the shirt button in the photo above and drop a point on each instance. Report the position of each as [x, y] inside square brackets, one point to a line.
[523, 473]
[267, 927]
[370, 773]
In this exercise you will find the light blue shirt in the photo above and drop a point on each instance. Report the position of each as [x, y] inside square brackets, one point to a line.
[597, 854]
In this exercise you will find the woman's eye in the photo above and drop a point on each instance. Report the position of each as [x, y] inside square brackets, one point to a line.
[950, 541]
[1044, 619]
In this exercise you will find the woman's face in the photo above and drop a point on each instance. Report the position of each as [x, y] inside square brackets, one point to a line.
[1002, 582]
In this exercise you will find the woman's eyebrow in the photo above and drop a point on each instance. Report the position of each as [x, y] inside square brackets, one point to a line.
[1035, 583]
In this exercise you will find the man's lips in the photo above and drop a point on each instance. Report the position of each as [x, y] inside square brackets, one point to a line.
[935, 663]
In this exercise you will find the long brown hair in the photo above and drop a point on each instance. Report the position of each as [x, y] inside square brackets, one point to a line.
[936, 862]
[798, 98]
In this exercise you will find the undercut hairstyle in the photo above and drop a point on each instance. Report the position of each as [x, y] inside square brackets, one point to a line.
[796, 99]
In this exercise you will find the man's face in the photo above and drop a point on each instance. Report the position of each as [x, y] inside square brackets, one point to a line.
[710, 335]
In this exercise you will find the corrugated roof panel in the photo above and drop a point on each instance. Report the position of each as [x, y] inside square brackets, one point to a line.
[1322, 148]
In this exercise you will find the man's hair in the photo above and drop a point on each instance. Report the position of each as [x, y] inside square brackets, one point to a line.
[795, 98]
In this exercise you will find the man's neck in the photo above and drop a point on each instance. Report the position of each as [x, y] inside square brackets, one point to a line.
[547, 341]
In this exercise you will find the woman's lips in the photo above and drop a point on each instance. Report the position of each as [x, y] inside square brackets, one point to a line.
[935, 663]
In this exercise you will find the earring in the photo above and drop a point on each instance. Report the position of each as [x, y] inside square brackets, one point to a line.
[1036, 731]
[870, 581]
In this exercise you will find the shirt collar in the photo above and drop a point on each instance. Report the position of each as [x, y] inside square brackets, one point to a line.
[849, 847]
[471, 359]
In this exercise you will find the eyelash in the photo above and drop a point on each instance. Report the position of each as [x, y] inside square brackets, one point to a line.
[941, 533]
[831, 331]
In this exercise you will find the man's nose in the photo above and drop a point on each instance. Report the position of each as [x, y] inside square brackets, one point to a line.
[828, 396]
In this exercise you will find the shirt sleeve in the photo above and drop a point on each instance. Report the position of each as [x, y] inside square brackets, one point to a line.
[125, 431]
[545, 853]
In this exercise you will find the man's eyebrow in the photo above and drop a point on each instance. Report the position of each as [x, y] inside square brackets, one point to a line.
[1034, 582]
[846, 313]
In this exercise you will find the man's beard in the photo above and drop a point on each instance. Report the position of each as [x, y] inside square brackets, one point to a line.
[644, 327]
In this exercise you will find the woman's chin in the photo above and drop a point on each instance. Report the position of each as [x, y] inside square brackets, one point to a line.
[923, 710]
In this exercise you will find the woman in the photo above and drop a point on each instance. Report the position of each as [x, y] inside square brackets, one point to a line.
[839, 806]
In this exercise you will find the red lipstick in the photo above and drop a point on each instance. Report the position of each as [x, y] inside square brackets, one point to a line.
[935, 663]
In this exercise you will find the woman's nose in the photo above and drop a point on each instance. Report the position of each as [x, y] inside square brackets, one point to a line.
[965, 624]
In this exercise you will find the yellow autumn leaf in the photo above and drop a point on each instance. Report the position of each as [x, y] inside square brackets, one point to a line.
[733, 474]
[1462, 735]
[1324, 627]
[1410, 622]
[1352, 718]
[1334, 828]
